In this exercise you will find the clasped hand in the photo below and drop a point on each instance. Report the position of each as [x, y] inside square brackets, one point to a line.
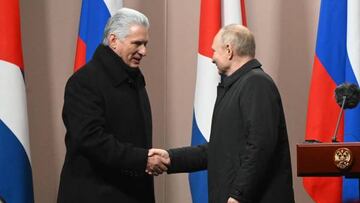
[158, 162]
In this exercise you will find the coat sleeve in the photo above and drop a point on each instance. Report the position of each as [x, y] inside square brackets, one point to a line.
[84, 119]
[188, 159]
[261, 109]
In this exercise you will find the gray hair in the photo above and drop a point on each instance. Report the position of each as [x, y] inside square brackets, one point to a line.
[240, 38]
[120, 23]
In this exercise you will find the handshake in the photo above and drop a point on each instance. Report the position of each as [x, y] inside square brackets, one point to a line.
[158, 162]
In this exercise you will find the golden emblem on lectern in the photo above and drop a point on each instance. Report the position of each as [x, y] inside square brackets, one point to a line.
[343, 158]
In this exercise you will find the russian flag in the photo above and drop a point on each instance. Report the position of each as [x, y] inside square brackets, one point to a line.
[93, 18]
[15, 166]
[213, 15]
[337, 60]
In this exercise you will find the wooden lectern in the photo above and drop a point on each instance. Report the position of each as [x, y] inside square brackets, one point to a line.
[328, 159]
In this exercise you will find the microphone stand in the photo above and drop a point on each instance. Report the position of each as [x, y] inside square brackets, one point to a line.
[339, 118]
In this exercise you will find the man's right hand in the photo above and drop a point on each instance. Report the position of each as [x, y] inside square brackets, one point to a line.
[158, 160]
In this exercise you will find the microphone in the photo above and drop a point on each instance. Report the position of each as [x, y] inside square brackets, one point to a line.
[347, 97]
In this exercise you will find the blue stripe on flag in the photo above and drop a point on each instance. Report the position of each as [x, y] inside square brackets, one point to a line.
[198, 180]
[15, 169]
[94, 15]
[331, 40]
[350, 189]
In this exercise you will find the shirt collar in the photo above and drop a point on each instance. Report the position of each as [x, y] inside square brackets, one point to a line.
[227, 81]
[115, 67]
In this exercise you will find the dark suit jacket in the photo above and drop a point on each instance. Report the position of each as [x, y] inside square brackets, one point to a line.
[248, 155]
[108, 133]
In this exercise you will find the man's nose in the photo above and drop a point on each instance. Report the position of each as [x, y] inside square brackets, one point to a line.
[142, 50]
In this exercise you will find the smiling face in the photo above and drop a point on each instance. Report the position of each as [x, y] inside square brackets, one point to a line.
[132, 48]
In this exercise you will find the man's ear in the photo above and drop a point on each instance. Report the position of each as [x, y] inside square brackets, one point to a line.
[229, 51]
[112, 41]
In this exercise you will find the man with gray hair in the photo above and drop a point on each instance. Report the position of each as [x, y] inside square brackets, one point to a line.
[247, 157]
[108, 121]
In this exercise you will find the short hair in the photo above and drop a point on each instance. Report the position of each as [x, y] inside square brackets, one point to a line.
[240, 38]
[120, 23]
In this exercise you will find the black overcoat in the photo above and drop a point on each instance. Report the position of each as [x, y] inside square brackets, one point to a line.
[248, 155]
[108, 133]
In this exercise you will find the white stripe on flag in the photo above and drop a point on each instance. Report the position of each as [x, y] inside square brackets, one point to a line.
[207, 79]
[13, 109]
[353, 36]
[230, 12]
[113, 5]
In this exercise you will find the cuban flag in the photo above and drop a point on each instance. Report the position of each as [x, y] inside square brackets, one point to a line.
[15, 163]
[337, 60]
[213, 15]
[93, 18]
